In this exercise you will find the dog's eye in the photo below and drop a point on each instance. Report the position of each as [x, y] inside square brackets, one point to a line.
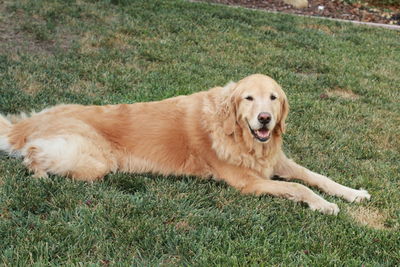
[273, 97]
[250, 98]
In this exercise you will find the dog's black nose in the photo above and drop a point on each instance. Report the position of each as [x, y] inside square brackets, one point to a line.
[264, 117]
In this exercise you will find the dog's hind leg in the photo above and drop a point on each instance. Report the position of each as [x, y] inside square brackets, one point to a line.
[70, 155]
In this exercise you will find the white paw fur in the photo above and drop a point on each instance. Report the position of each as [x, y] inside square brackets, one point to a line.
[326, 208]
[357, 195]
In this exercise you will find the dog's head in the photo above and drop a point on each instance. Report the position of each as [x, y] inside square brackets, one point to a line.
[256, 104]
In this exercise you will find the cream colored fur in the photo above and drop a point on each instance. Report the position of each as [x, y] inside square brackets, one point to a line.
[206, 134]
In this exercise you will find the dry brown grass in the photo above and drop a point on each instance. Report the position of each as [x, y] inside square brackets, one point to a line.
[268, 28]
[389, 138]
[88, 87]
[118, 41]
[319, 27]
[183, 226]
[342, 93]
[387, 70]
[89, 43]
[27, 81]
[368, 216]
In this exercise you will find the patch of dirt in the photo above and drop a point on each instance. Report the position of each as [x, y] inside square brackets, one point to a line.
[337, 9]
[369, 217]
[14, 39]
[342, 93]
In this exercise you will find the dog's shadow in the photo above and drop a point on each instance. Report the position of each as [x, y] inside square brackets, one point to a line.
[126, 183]
[134, 183]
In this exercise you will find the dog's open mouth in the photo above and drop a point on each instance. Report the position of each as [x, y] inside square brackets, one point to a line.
[262, 134]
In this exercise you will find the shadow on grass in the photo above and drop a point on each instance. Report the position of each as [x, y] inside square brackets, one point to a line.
[133, 183]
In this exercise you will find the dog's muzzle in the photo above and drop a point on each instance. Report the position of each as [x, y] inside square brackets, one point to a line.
[262, 134]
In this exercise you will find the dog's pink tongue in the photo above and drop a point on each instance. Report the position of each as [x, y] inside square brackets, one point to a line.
[263, 133]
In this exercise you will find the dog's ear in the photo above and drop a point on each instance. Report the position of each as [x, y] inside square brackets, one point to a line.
[229, 124]
[228, 109]
[281, 125]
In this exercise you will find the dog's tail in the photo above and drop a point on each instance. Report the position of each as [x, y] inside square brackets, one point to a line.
[6, 125]
[5, 128]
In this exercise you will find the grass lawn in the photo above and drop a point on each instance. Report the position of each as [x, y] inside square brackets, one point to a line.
[342, 82]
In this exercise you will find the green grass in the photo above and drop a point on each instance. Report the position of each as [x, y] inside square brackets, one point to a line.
[101, 52]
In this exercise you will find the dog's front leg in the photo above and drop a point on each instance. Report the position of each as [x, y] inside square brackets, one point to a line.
[288, 169]
[249, 183]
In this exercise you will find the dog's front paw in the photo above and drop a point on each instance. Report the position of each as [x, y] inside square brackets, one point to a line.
[325, 207]
[357, 195]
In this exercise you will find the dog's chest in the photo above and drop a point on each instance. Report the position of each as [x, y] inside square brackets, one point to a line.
[237, 155]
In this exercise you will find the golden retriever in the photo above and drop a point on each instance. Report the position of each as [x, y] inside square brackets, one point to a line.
[231, 133]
